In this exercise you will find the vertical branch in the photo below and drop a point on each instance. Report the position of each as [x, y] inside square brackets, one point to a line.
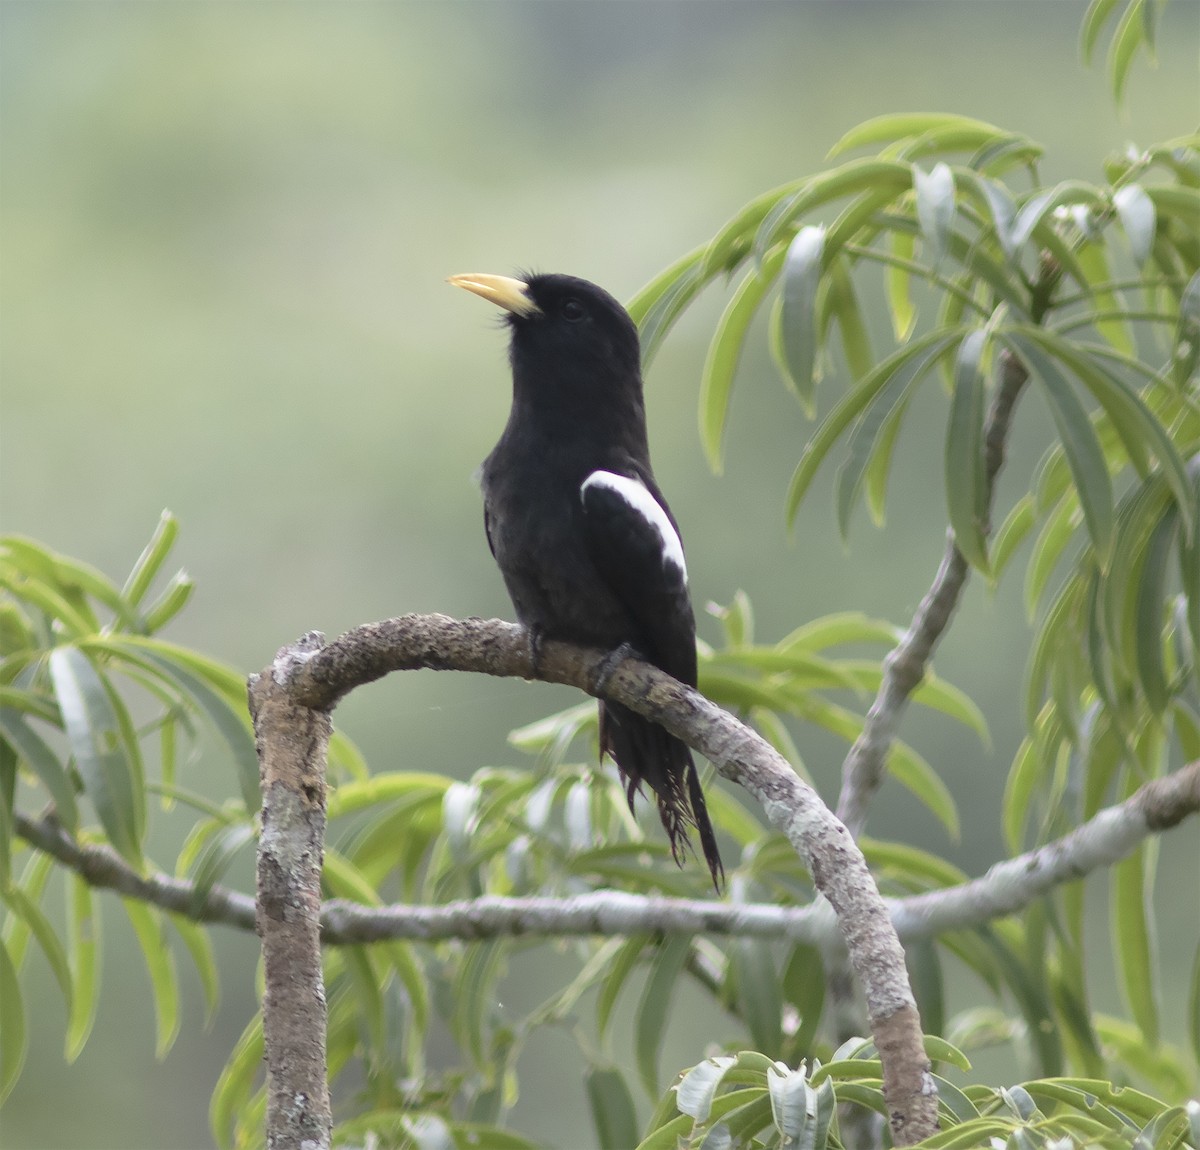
[292, 742]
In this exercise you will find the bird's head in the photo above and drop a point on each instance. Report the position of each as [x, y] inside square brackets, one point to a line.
[568, 335]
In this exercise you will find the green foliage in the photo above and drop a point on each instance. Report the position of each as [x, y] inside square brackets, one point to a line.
[747, 1099]
[1083, 297]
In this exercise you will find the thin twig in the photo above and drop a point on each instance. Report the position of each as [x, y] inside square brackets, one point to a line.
[1007, 888]
[904, 667]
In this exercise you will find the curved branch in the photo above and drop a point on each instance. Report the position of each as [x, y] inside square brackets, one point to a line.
[836, 864]
[864, 768]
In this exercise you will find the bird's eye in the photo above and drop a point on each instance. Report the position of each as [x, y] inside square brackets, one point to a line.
[572, 310]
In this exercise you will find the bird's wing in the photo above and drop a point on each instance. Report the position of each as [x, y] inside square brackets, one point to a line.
[635, 544]
[487, 530]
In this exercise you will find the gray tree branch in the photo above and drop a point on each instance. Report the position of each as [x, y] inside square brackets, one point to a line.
[317, 679]
[865, 766]
[1007, 888]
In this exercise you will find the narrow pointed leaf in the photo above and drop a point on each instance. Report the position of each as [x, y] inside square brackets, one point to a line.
[799, 343]
[150, 561]
[1136, 211]
[206, 687]
[856, 340]
[1126, 39]
[13, 1034]
[1132, 939]
[199, 946]
[1187, 334]
[913, 360]
[935, 208]
[1150, 602]
[655, 1006]
[43, 762]
[83, 948]
[720, 365]
[903, 125]
[1093, 23]
[1078, 437]
[757, 990]
[966, 476]
[898, 284]
[231, 1098]
[1093, 259]
[160, 965]
[94, 730]
[613, 1113]
[27, 909]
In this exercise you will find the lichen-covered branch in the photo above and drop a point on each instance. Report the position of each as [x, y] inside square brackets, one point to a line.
[1007, 888]
[864, 768]
[833, 859]
[292, 743]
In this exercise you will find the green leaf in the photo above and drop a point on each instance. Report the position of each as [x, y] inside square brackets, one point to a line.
[654, 1006]
[1052, 540]
[1000, 206]
[720, 365]
[210, 688]
[697, 1089]
[844, 302]
[1080, 443]
[150, 561]
[199, 946]
[43, 762]
[1136, 211]
[798, 342]
[660, 303]
[102, 755]
[905, 125]
[1012, 533]
[925, 973]
[231, 1097]
[1187, 334]
[1131, 891]
[803, 985]
[1136, 424]
[757, 993]
[83, 947]
[613, 1113]
[911, 771]
[1150, 601]
[1093, 259]
[475, 997]
[1093, 23]
[160, 965]
[966, 473]
[898, 284]
[909, 363]
[174, 598]
[13, 1034]
[935, 208]
[1035, 209]
[27, 910]
[1129, 34]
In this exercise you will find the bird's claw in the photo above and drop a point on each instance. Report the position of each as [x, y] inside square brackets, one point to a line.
[535, 650]
[608, 665]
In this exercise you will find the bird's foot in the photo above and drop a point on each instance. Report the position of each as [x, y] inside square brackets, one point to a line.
[608, 665]
[536, 636]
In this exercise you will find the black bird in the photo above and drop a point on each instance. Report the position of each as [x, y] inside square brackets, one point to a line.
[587, 545]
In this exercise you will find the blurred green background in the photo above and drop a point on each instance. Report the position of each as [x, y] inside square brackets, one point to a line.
[225, 230]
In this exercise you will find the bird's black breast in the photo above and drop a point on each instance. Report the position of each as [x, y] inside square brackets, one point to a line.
[534, 523]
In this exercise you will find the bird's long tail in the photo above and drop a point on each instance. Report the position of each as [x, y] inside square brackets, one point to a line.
[645, 753]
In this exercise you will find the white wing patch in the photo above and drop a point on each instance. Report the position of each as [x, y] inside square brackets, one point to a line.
[635, 493]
